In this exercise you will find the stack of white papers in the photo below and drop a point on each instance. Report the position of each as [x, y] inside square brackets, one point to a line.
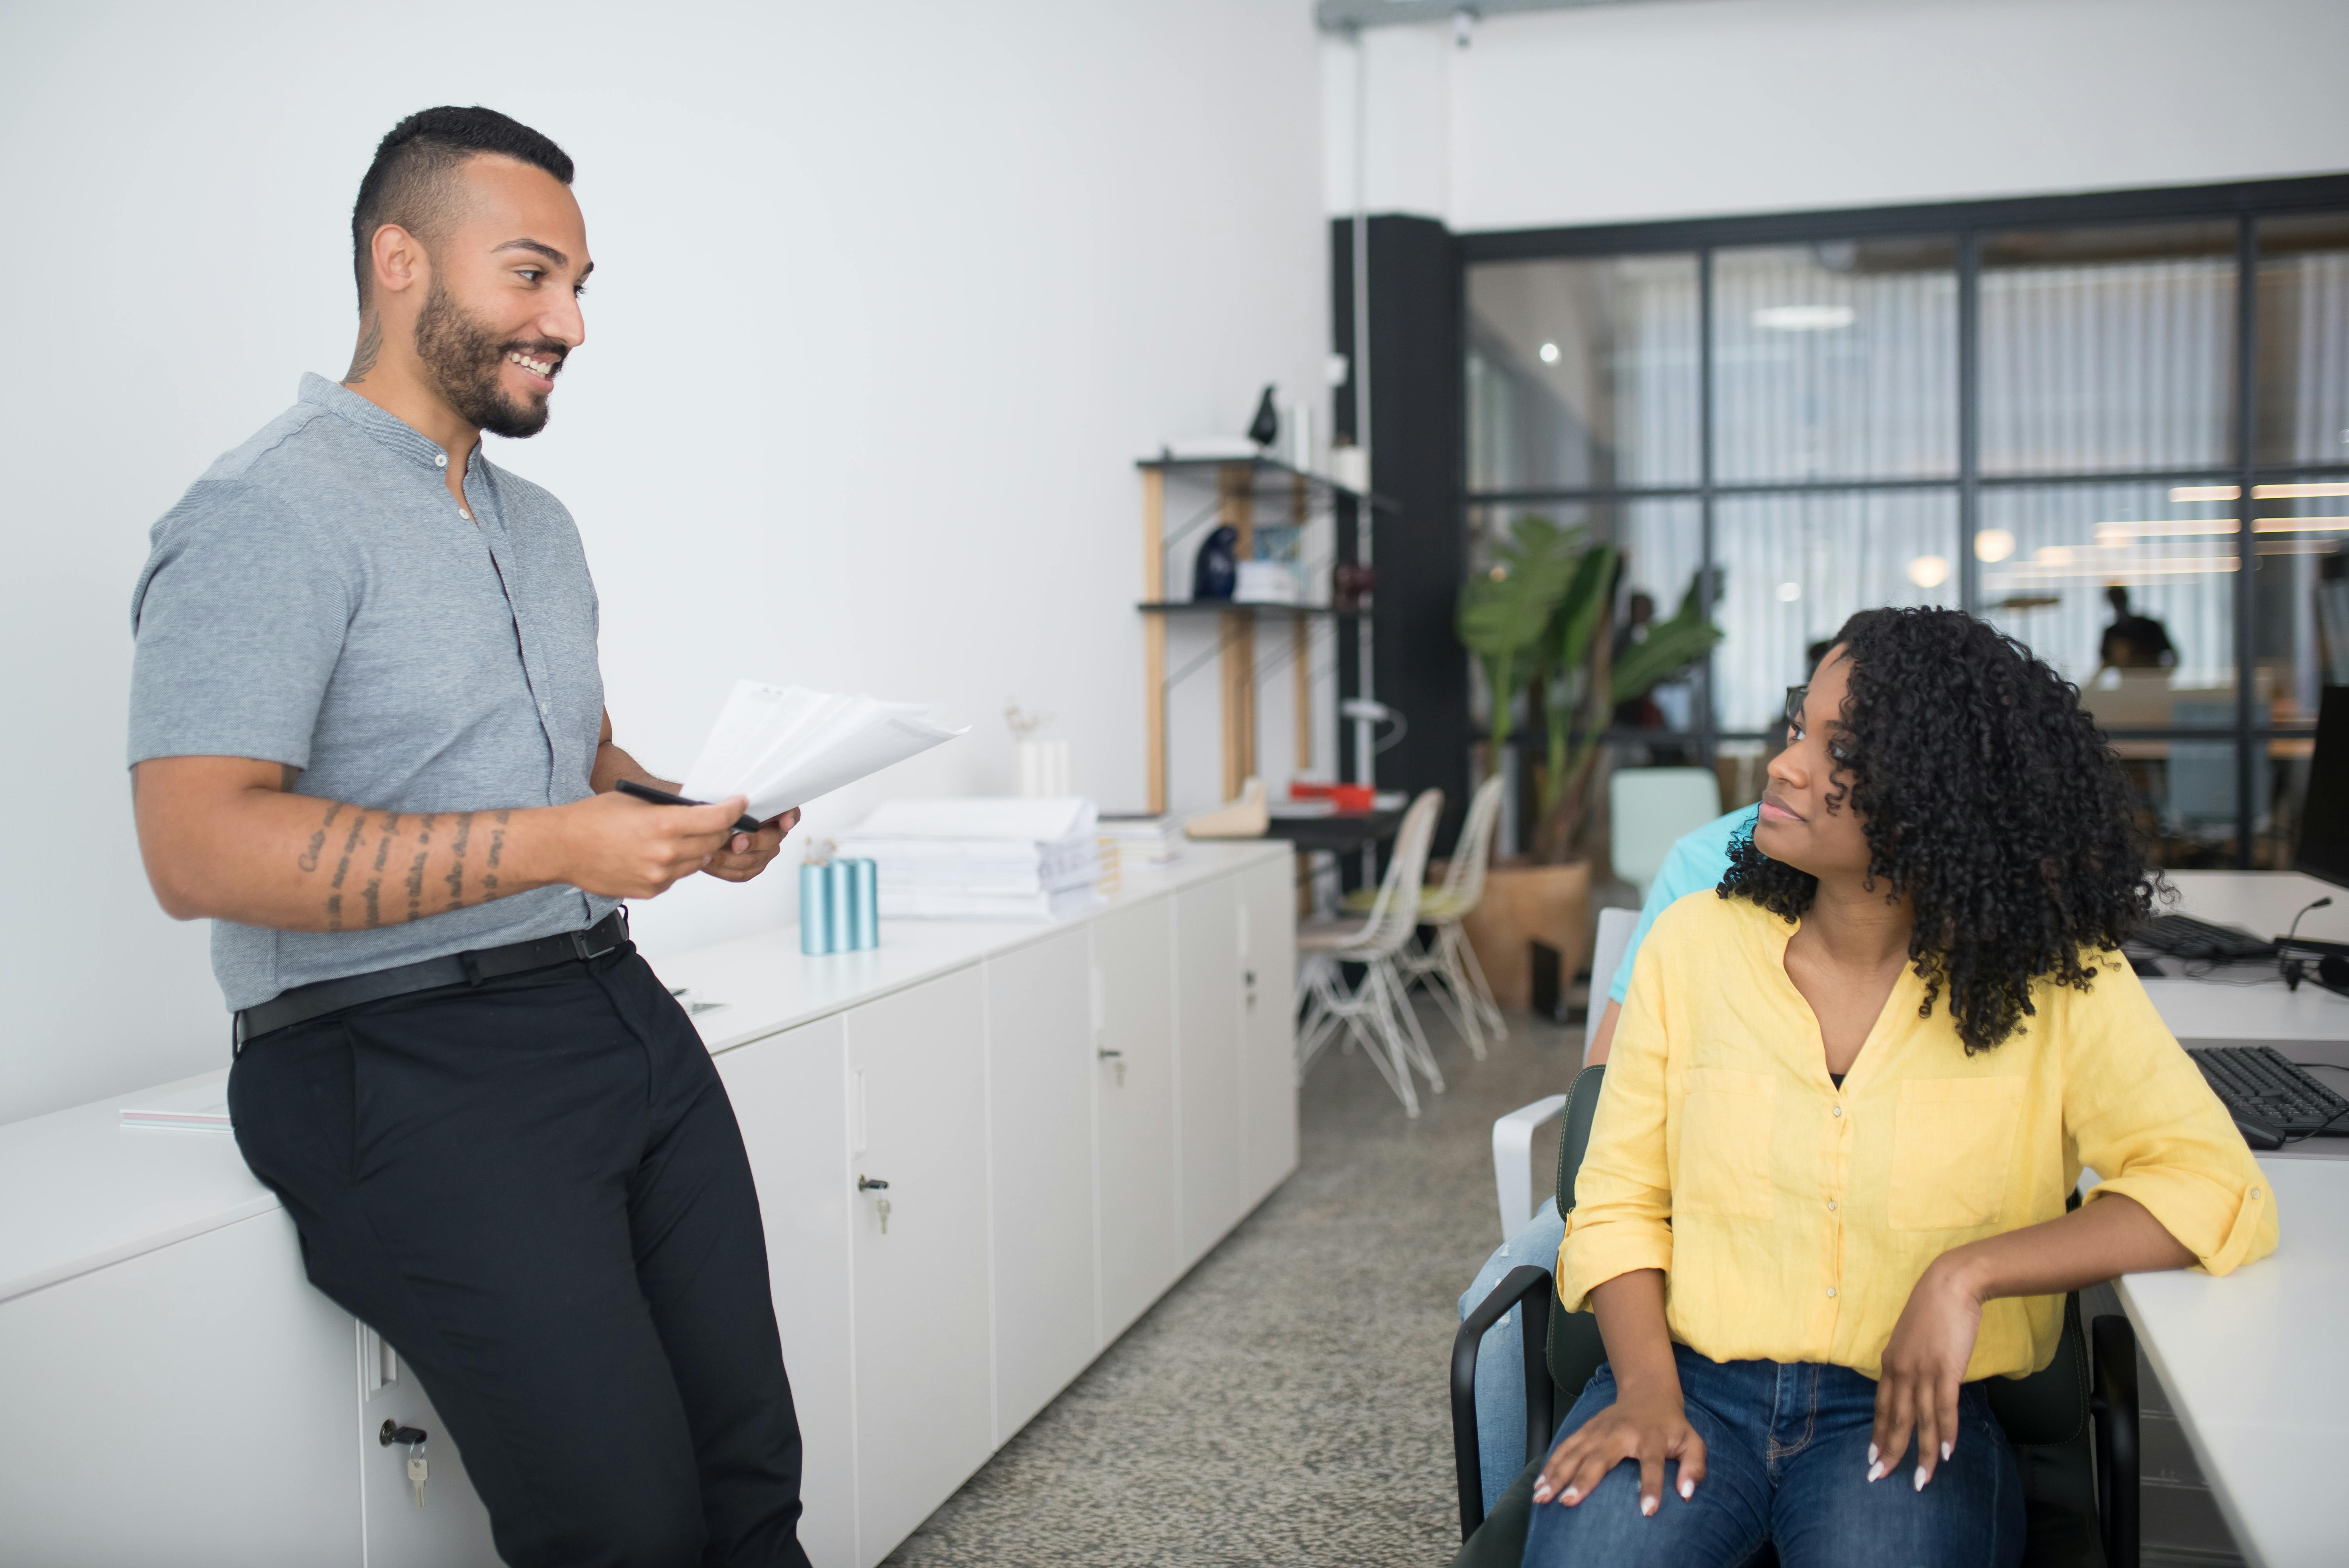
[986, 859]
[1143, 840]
[784, 746]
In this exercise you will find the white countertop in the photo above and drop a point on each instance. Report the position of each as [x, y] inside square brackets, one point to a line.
[2247, 1002]
[2257, 1369]
[85, 1191]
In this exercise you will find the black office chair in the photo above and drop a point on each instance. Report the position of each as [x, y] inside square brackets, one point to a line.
[2074, 1429]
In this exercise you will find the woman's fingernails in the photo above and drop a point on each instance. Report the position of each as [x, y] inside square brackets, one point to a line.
[1541, 1493]
[1571, 1494]
[1875, 1471]
[1923, 1475]
[1945, 1449]
[1871, 1453]
[1687, 1489]
[1647, 1506]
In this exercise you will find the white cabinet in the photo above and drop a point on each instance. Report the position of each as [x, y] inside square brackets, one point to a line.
[1133, 1091]
[918, 1092]
[452, 1529]
[1040, 1173]
[192, 1405]
[1207, 1060]
[789, 1093]
[1268, 1033]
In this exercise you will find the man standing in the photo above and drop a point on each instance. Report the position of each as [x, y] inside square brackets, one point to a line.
[368, 741]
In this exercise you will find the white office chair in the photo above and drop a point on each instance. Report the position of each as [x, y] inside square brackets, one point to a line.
[1648, 809]
[1376, 1013]
[1447, 966]
[1513, 1135]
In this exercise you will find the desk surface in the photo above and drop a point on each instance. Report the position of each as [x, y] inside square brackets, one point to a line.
[2248, 1002]
[2257, 1369]
[85, 1191]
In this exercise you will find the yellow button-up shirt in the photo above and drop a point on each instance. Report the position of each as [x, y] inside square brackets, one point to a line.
[1791, 1219]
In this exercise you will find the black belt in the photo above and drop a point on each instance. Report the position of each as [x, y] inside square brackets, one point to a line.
[304, 1003]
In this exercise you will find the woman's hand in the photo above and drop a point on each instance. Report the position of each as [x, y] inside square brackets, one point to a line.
[1647, 1423]
[1924, 1363]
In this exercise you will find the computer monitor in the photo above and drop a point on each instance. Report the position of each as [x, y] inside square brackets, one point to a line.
[2324, 820]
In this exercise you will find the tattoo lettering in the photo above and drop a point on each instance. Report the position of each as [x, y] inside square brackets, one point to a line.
[309, 857]
[363, 358]
[497, 846]
[416, 867]
[375, 884]
[456, 877]
[334, 911]
[350, 848]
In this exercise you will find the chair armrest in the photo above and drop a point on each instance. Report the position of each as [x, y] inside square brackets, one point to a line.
[1513, 1159]
[1527, 1284]
[2114, 1402]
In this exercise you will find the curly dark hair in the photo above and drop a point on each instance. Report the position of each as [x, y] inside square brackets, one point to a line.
[1991, 799]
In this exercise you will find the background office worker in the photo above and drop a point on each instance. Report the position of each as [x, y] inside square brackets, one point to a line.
[367, 740]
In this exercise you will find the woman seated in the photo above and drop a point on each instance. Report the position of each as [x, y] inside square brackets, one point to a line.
[1824, 1193]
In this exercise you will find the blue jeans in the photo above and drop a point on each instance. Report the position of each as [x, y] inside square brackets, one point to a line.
[1786, 1463]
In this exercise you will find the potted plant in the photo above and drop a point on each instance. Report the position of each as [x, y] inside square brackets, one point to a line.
[1539, 623]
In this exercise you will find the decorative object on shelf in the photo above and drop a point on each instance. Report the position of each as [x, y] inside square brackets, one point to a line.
[840, 902]
[1265, 582]
[1245, 818]
[1045, 766]
[1350, 587]
[1265, 429]
[1216, 571]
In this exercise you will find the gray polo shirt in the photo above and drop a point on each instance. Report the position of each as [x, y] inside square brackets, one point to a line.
[317, 599]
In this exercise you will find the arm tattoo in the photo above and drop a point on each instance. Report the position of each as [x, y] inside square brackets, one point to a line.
[342, 869]
[497, 846]
[456, 877]
[375, 883]
[416, 867]
[308, 860]
[363, 358]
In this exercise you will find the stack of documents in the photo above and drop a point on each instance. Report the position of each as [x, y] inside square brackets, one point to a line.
[1143, 841]
[784, 746]
[1004, 858]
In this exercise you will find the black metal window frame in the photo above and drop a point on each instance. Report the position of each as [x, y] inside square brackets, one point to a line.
[2243, 202]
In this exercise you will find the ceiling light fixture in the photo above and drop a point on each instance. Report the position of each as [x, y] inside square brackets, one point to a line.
[1993, 544]
[1804, 317]
[1549, 353]
[1789, 592]
[1929, 571]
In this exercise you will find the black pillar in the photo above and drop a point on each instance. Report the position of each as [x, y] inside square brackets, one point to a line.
[1419, 667]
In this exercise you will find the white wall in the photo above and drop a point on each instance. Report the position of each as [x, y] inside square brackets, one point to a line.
[1695, 108]
[887, 298]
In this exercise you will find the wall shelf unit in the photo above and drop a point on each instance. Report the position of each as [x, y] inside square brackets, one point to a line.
[1232, 489]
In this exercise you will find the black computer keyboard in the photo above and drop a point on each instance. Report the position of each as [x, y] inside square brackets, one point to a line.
[2263, 1082]
[2188, 938]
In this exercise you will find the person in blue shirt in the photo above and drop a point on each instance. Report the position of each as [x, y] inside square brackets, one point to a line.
[1698, 859]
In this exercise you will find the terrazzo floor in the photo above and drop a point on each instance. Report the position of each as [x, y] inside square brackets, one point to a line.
[1285, 1402]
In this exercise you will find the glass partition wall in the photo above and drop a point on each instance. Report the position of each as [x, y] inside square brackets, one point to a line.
[2115, 427]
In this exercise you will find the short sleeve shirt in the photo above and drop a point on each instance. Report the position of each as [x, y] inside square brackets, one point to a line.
[319, 600]
[1698, 859]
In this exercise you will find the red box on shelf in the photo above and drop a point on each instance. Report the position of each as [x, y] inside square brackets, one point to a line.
[1345, 796]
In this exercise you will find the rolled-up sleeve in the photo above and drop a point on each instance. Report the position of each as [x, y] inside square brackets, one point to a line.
[1622, 1194]
[239, 619]
[2142, 1117]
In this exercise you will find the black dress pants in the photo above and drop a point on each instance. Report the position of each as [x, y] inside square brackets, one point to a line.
[536, 1191]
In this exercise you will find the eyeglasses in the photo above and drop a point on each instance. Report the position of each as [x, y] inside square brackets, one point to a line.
[1795, 695]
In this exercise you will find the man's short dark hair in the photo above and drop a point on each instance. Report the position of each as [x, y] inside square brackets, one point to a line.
[410, 181]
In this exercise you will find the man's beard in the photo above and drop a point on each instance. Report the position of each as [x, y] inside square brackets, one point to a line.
[465, 359]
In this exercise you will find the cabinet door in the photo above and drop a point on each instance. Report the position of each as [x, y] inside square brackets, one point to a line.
[1040, 1163]
[1140, 1214]
[791, 1098]
[190, 1406]
[452, 1528]
[1267, 1039]
[917, 1098]
[1207, 1059]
